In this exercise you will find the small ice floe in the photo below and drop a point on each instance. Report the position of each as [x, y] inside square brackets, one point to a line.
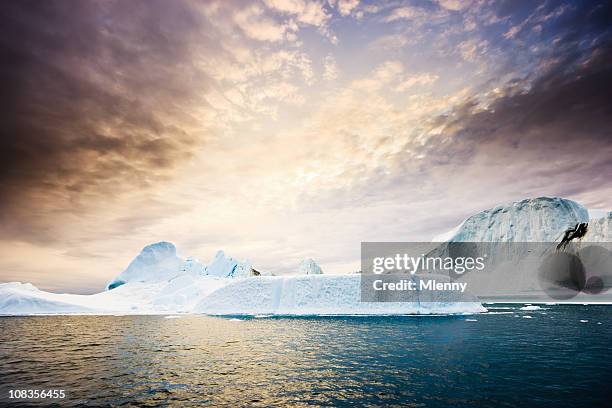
[527, 317]
[471, 320]
[583, 321]
[530, 307]
[172, 317]
[598, 322]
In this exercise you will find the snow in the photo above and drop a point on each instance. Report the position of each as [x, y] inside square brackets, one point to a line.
[310, 267]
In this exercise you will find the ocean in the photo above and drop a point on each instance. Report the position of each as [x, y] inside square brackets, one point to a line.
[561, 356]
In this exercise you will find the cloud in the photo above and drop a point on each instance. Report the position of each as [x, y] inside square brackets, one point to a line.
[346, 6]
[405, 13]
[305, 12]
[421, 79]
[455, 5]
[95, 105]
[556, 133]
[330, 68]
[260, 27]
[471, 50]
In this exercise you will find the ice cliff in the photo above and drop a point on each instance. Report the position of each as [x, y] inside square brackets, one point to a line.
[318, 295]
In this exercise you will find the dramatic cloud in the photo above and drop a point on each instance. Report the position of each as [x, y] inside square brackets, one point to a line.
[561, 113]
[95, 103]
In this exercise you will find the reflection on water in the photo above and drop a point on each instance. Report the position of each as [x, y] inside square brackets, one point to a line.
[499, 360]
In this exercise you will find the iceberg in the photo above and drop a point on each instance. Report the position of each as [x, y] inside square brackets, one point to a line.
[538, 229]
[158, 281]
[257, 295]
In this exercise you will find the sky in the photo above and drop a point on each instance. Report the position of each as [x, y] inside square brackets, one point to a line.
[278, 130]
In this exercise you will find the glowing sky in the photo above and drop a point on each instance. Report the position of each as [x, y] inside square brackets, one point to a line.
[285, 129]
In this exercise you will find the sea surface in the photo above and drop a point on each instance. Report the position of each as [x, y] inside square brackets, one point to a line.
[560, 357]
